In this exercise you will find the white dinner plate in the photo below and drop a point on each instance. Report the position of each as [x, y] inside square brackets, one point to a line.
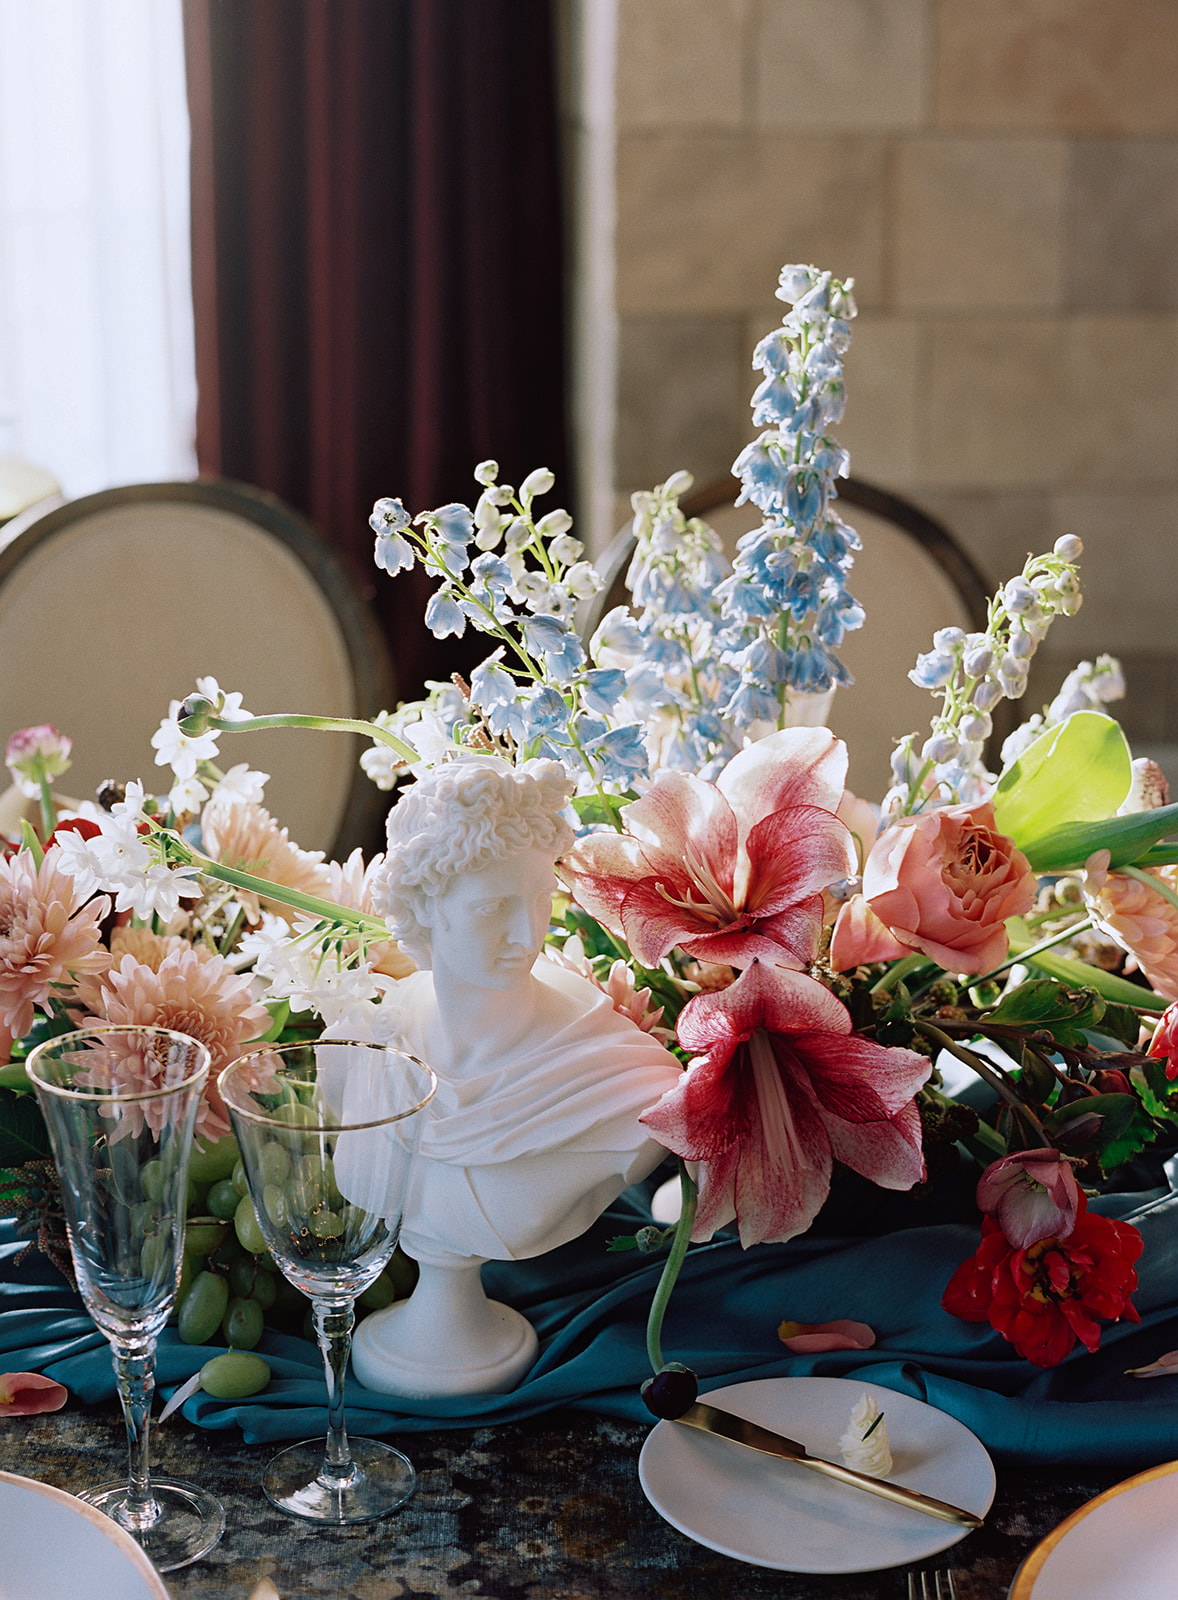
[55, 1547]
[1121, 1546]
[774, 1513]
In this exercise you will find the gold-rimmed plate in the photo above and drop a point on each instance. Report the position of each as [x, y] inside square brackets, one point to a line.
[55, 1547]
[1123, 1545]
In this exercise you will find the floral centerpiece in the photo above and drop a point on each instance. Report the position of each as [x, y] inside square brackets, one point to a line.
[983, 970]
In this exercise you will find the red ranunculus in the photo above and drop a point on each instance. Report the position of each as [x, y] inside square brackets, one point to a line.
[1042, 1299]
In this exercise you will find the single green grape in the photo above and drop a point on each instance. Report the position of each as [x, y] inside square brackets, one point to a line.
[239, 1180]
[274, 1163]
[242, 1323]
[222, 1198]
[203, 1308]
[234, 1376]
[249, 1278]
[215, 1161]
[245, 1223]
[202, 1235]
[327, 1224]
[153, 1178]
[274, 1200]
[153, 1253]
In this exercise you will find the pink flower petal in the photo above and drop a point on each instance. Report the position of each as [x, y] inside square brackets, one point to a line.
[1164, 1367]
[812, 1338]
[24, 1394]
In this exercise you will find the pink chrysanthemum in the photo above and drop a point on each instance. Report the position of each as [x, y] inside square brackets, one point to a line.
[202, 997]
[1141, 919]
[48, 936]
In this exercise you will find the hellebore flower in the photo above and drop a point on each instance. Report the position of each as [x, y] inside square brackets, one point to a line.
[1042, 1299]
[942, 883]
[782, 1088]
[731, 871]
[1033, 1195]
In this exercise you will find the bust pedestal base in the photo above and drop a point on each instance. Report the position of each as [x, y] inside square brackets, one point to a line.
[446, 1339]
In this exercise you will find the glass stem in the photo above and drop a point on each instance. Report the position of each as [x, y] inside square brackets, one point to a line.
[135, 1377]
[333, 1327]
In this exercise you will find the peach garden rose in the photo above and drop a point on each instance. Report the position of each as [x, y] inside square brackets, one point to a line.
[941, 884]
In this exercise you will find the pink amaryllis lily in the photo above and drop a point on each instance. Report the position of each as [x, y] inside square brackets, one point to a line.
[782, 1088]
[731, 871]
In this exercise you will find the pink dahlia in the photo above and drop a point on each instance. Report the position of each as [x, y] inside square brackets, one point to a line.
[244, 835]
[1142, 919]
[202, 997]
[49, 936]
[732, 871]
[782, 1088]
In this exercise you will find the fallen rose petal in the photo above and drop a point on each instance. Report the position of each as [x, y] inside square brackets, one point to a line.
[812, 1338]
[1164, 1367]
[24, 1394]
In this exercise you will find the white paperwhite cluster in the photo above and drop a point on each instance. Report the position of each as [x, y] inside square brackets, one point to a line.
[327, 978]
[190, 754]
[123, 861]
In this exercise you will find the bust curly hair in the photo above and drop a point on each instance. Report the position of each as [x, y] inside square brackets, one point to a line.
[461, 817]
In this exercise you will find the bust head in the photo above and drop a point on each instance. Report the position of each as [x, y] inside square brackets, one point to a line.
[458, 820]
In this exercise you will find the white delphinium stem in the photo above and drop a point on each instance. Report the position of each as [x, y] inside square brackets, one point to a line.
[974, 671]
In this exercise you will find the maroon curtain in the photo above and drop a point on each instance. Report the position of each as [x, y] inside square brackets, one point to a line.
[377, 264]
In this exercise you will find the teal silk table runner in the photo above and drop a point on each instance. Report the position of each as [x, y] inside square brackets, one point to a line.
[589, 1309]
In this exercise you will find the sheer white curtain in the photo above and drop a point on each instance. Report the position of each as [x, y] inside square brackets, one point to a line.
[97, 377]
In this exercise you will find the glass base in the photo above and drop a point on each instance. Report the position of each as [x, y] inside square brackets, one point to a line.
[190, 1522]
[381, 1479]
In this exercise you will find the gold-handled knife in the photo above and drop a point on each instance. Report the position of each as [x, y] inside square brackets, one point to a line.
[710, 1419]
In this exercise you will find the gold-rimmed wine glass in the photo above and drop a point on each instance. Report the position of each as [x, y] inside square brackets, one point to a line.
[120, 1104]
[327, 1133]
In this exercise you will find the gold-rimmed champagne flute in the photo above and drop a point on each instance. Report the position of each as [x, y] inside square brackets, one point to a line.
[327, 1133]
[120, 1104]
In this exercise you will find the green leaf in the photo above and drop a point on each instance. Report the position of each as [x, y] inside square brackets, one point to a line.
[1059, 1009]
[596, 810]
[1080, 975]
[1125, 1127]
[1128, 840]
[23, 1134]
[1121, 1023]
[1080, 770]
[1159, 1094]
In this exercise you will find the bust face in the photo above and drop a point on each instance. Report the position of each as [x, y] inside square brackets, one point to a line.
[488, 927]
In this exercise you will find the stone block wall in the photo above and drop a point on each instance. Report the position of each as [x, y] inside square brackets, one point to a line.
[1000, 177]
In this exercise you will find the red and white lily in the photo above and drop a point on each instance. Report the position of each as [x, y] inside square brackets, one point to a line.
[781, 1089]
[732, 871]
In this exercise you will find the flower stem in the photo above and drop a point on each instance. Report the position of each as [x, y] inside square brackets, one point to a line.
[988, 1073]
[331, 724]
[326, 910]
[662, 1295]
[48, 810]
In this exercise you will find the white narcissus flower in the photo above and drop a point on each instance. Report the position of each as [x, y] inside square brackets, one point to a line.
[242, 783]
[181, 751]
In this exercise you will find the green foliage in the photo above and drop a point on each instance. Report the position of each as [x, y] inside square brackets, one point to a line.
[1041, 1004]
[23, 1135]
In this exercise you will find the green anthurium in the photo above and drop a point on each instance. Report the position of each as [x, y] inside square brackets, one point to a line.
[1077, 772]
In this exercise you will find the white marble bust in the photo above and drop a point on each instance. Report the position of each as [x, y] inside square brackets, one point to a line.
[534, 1129]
